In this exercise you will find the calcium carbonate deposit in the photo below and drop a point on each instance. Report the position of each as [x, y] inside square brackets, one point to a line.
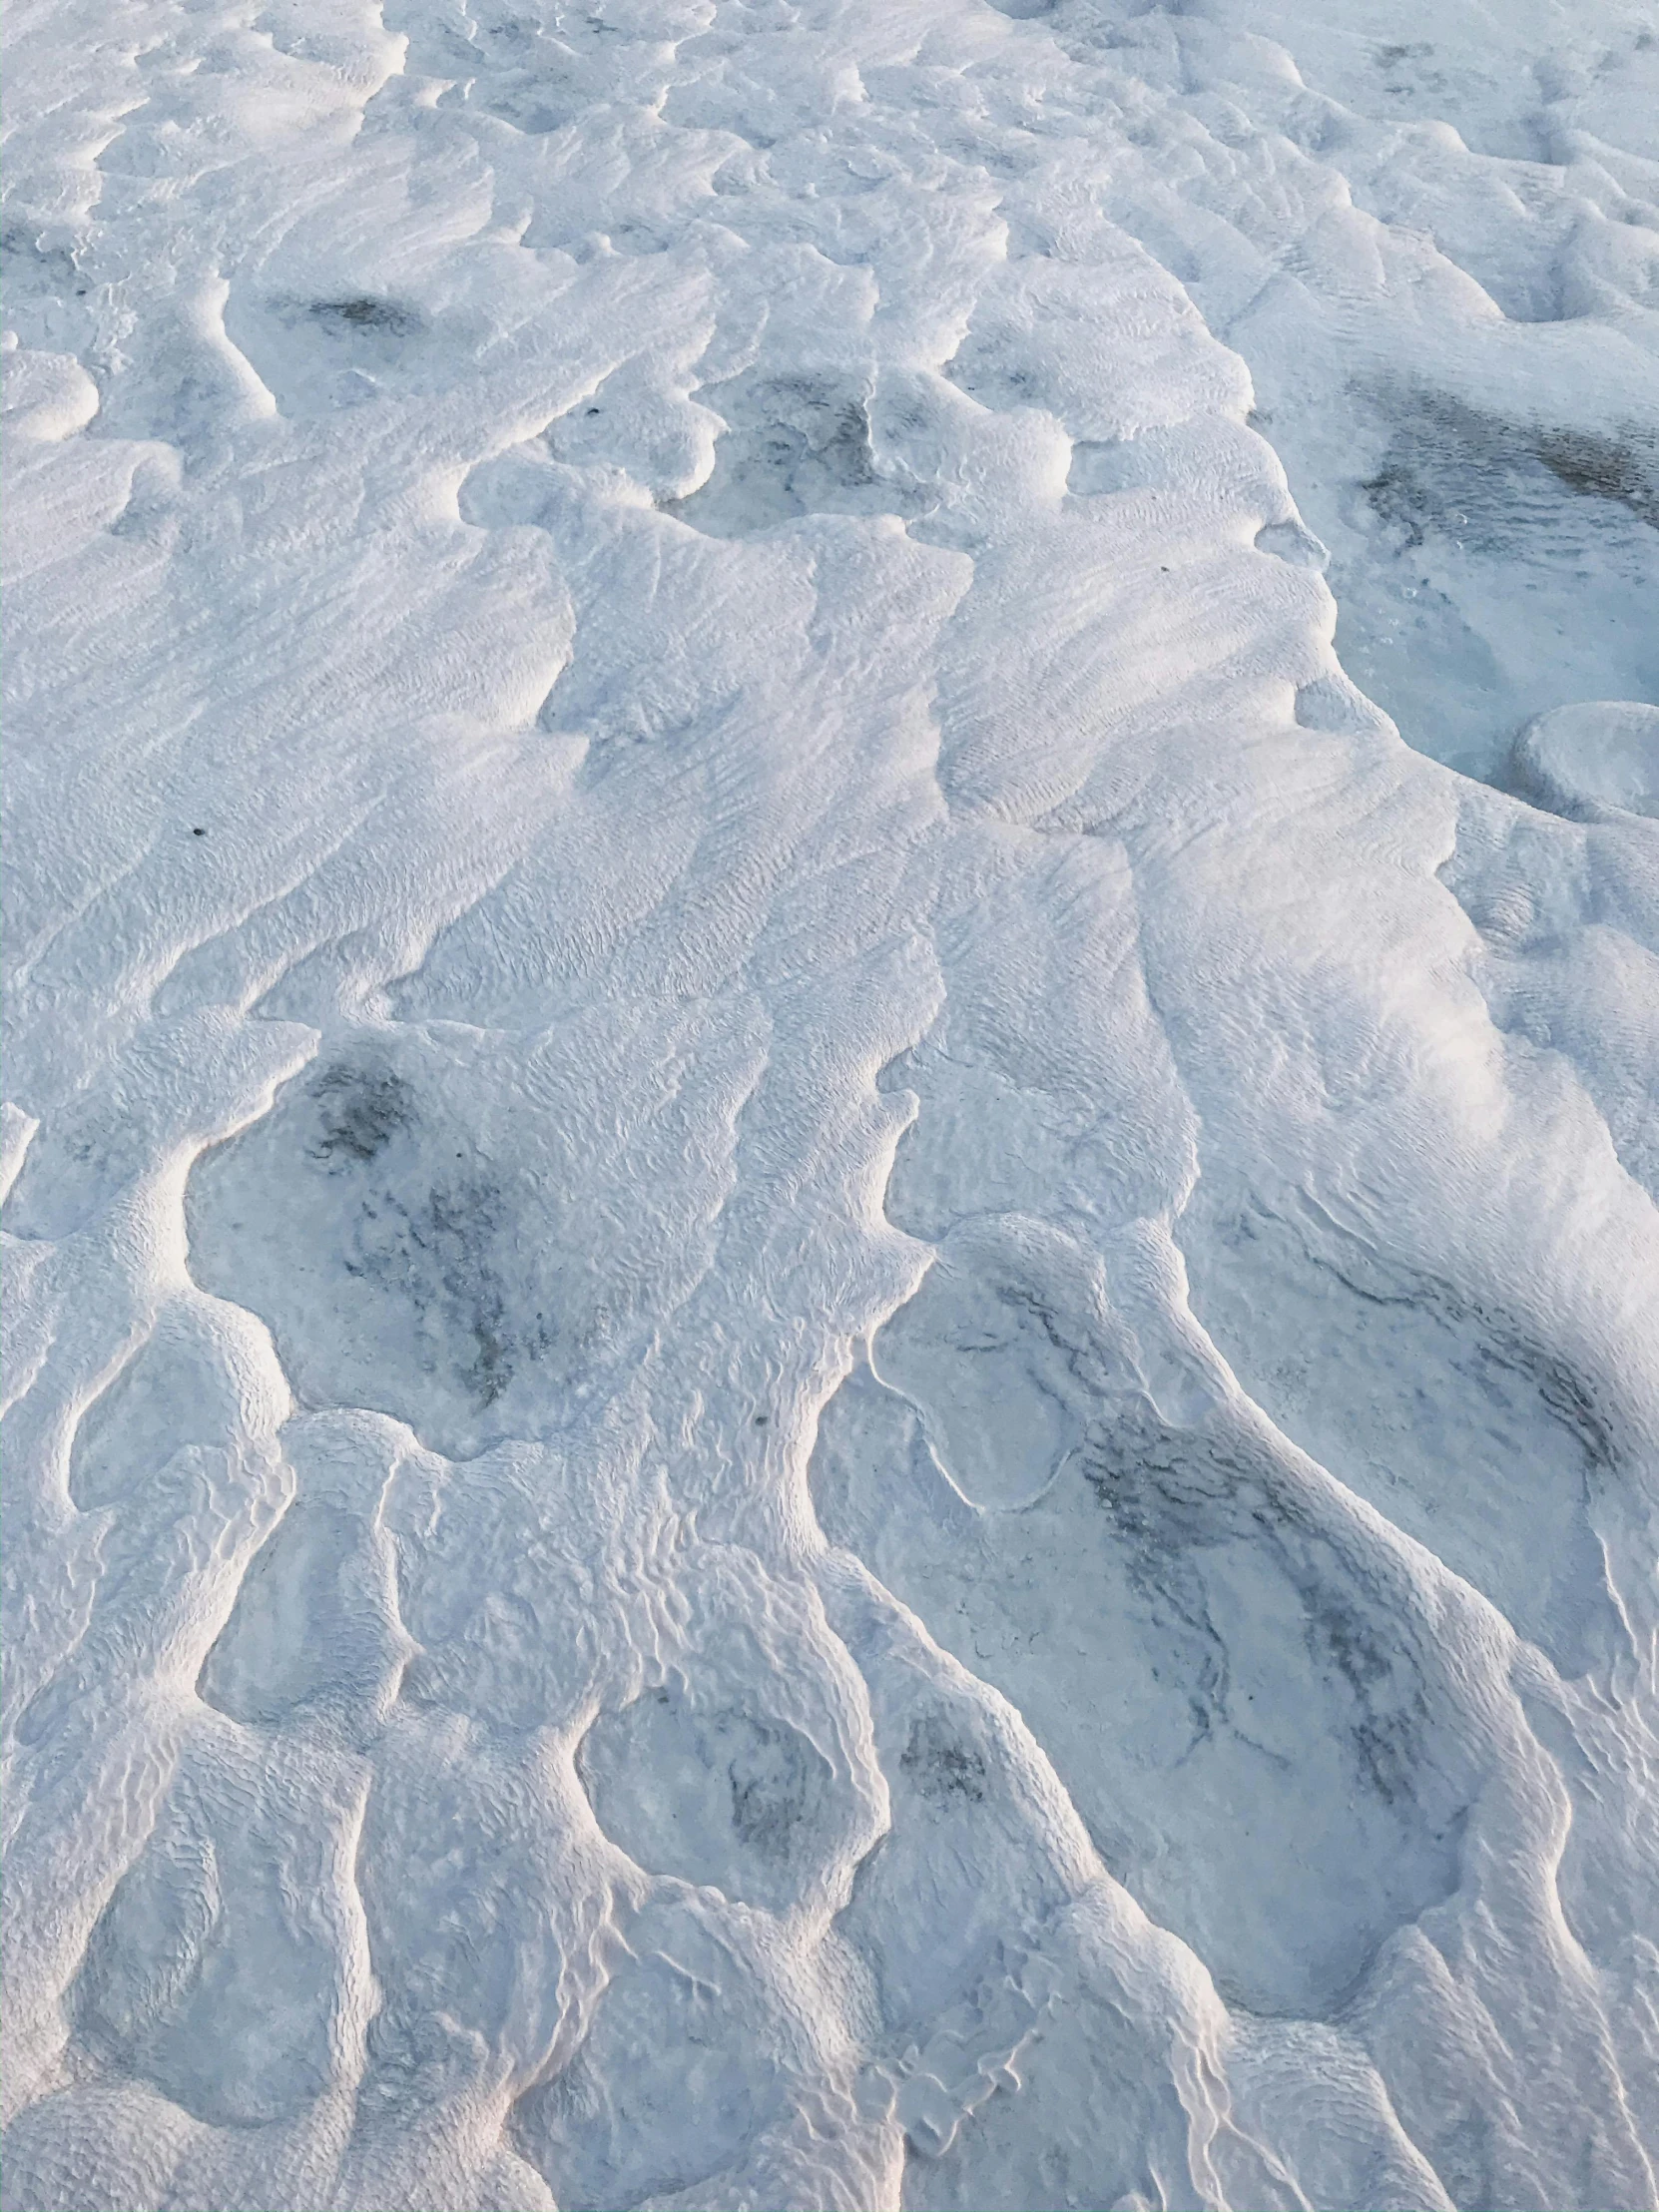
[832, 1106]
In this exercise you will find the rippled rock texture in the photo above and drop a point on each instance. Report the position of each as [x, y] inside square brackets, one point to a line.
[833, 1106]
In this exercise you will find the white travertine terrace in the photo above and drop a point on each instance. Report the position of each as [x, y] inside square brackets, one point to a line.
[833, 1105]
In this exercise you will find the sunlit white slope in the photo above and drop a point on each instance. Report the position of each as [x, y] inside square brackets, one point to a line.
[831, 1332]
[1433, 234]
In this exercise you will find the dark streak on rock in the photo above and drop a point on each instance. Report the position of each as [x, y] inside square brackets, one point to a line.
[360, 1110]
[365, 314]
[1451, 470]
[940, 1765]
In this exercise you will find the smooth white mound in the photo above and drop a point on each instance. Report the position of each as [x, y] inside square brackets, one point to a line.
[1601, 752]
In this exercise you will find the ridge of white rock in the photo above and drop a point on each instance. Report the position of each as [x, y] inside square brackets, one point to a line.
[833, 1337]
